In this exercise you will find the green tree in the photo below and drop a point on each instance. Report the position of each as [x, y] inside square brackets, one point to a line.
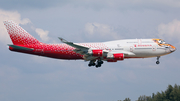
[168, 93]
[158, 97]
[144, 98]
[153, 95]
[127, 99]
[175, 94]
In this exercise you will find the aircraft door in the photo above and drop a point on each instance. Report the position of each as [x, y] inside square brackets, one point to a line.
[131, 48]
[139, 42]
[154, 48]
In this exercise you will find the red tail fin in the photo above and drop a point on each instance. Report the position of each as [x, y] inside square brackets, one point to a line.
[18, 35]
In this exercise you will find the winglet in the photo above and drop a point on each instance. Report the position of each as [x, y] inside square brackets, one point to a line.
[62, 40]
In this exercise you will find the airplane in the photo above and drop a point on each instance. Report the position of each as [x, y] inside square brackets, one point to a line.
[95, 53]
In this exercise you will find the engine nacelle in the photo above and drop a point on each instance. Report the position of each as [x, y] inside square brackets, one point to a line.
[97, 52]
[117, 56]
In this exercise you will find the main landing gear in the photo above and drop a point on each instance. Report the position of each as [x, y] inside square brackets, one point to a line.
[97, 64]
[157, 62]
[92, 63]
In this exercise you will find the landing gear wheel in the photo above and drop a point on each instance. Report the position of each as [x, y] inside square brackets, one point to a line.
[91, 63]
[157, 62]
[99, 65]
[101, 62]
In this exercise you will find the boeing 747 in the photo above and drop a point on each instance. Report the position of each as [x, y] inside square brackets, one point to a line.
[95, 53]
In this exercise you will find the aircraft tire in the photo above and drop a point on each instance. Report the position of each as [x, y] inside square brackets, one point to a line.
[99, 65]
[157, 62]
[89, 65]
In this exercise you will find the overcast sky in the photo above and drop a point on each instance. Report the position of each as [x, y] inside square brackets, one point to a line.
[32, 78]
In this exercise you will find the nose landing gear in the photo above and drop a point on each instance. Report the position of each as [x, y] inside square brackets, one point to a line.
[157, 62]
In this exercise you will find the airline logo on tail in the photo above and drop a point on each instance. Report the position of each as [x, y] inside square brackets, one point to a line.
[18, 35]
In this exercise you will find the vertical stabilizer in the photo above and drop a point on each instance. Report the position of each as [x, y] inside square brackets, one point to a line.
[18, 35]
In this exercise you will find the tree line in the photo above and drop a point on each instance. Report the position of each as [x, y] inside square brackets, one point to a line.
[170, 94]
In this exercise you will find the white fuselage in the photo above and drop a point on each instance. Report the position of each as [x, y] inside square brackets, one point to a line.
[137, 48]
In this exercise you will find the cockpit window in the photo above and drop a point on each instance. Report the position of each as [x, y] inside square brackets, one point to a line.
[162, 41]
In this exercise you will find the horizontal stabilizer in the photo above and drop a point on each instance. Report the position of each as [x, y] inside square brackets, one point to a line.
[21, 48]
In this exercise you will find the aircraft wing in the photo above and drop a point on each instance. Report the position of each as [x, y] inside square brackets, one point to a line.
[83, 50]
[80, 47]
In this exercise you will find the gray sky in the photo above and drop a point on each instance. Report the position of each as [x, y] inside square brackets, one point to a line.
[25, 77]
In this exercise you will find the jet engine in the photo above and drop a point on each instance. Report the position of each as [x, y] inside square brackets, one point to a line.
[98, 53]
[119, 56]
[116, 56]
